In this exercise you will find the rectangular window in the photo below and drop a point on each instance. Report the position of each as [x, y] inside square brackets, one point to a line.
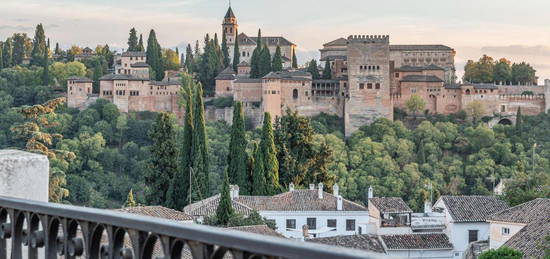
[350, 224]
[369, 86]
[472, 235]
[312, 223]
[505, 231]
[377, 85]
[503, 108]
[397, 75]
[413, 90]
[331, 223]
[273, 92]
[291, 223]
[361, 86]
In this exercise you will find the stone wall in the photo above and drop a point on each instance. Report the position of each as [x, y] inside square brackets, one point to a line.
[24, 175]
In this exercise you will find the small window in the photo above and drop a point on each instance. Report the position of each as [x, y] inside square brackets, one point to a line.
[291, 223]
[472, 236]
[505, 231]
[369, 86]
[377, 86]
[331, 223]
[350, 225]
[295, 93]
[361, 86]
[413, 90]
[312, 223]
[273, 92]
[397, 74]
[503, 108]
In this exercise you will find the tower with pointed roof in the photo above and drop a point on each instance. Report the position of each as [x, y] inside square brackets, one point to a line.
[230, 26]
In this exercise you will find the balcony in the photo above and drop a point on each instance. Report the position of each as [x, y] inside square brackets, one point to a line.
[33, 229]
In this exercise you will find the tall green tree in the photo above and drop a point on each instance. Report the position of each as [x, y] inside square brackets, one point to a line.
[1, 55]
[523, 73]
[210, 65]
[189, 60]
[265, 61]
[8, 53]
[200, 182]
[140, 46]
[154, 56]
[225, 52]
[258, 183]
[327, 72]
[178, 194]
[502, 73]
[164, 159]
[19, 41]
[130, 201]
[269, 153]
[39, 47]
[519, 121]
[237, 157]
[224, 211]
[255, 60]
[294, 59]
[133, 40]
[46, 70]
[236, 53]
[277, 63]
[313, 69]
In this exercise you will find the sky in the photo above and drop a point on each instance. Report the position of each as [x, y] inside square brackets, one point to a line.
[517, 30]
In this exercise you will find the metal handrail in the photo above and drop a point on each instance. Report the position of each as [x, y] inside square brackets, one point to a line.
[54, 227]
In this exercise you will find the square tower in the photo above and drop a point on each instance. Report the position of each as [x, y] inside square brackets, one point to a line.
[369, 81]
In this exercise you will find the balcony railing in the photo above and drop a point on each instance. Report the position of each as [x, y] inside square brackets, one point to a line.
[47, 230]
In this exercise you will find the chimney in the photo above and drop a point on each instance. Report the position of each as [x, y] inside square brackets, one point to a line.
[339, 202]
[291, 187]
[370, 192]
[320, 191]
[305, 231]
[335, 190]
[312, 186]
[427, 206]
[235, 191]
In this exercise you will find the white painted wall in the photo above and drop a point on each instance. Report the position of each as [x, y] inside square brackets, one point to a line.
[24, 175]
[436, 253]
[497, 238]
[361, 219]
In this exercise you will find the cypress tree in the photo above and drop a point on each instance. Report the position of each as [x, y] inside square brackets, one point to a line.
[18, 50]
[8, 53]
[46, 70]
[178, 194]
[130, 202]
[237, 157]
[97, 73]
[236, 53]
[1, 55]
[225, 52]
[312, 68]
[57, 50]
[108, 55]
[258, 184]
[38, 47]
[132, 40]
[164, 161]
[265, 61]
[154, 56]
[224, 211]
[140, 46]
[189, 59]
[327, 72]
[255, 60]
[199, 153]
[277, 64]
[519, 121]
[197, 49]
[294, 59]
[271, 165]
[48, 44]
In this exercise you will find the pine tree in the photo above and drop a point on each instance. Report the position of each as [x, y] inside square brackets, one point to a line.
[140, 46]
[313, 69]
[294, 59]
[225, 52]
[258, 183]
[327, 72]
[255, 60]
[224, 211]
[277, 63]
[38, 47]
[271, 165]
[178, 194]
[133, 40]
[189, 60]
[154, 56]
[237, 157]
[130, 202]
[201, 187]
[164, 159]
[46, 70]
[8, 53]
[236, 53]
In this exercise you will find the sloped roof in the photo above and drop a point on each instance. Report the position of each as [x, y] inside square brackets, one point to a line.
[363, 242]
[80, 79]
[390, 205]
[243, 64]
[421, 78]
[229, 13]
[140, 64]
[245, 40]
[336, 42]
[473, 208]
[290, 75]
[530, 238]
[158, 211]
[273, 40]
[535, 210]
[208, 206]
[416, 241]
[258, 229]
[408, 68]
[226, 74]
[334, 57]
[413, 47]
[134, 54]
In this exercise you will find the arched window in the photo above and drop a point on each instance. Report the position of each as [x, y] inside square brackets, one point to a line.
[468, 91]
[295, 93]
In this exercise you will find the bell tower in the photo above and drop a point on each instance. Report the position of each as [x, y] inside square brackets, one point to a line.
[230, 26]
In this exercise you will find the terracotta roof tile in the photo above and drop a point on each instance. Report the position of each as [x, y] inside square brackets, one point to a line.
[258, 229]
[530, 238]
[158, 211]
[363, 242]
[537, 209]
[417, 241]
[474, 208]
[390, 205]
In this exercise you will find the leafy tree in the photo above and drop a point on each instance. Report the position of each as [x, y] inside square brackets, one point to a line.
[140, 46]
[225, 52]
[269, 153]
[154, 56]
[20, 40]
[277, 63]
[236, 52]
[224, 211]
[237, 158]
[523, 73]
[327, 72]
[475, 110]
[8, 53]
[133, 40]
[39, 48]
[313, 69]
[61, 71]
[294, 59]
[170, 60]
[163, 165]
[415, 104]
[199, 151]
[73, 51]
[502, 252]
[130, 202]
[502, 72]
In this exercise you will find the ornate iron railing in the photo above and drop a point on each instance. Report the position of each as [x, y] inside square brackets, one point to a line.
[47, 230]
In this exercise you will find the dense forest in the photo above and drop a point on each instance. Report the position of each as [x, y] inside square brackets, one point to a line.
[99, 155]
